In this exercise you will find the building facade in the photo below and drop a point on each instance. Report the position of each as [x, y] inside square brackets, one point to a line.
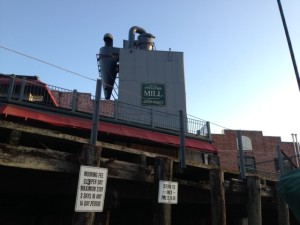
[261, 156]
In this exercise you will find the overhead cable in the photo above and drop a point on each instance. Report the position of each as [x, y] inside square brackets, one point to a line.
[50, 64]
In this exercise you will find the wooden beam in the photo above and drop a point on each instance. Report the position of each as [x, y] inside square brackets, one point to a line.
[77, 139]
[38, 159]
[68, 137]
[128, 150]
[50, 160]
[40, 131]
[127, 171]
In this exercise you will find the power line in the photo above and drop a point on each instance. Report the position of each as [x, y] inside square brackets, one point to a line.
[210, 122]
[86, 77]
[50, 64]
[66, 70]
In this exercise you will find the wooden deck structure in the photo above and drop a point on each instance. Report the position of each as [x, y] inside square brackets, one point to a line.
[39, 166]
[43, 144]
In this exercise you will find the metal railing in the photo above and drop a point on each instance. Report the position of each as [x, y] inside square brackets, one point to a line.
[262, 172]
[31, 90]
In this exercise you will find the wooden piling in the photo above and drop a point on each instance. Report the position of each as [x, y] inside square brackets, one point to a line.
[90, 157]
[15, 137]
[162, 171]
[217, 190]
[254, 201]
[283, 211]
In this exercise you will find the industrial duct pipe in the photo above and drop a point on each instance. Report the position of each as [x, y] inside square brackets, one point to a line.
[145, 40]
[132, 31]
[108, 60]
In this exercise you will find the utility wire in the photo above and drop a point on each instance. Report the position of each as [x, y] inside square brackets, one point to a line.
[86, 77]
[61, 68]
[50, 64]
[209, 122]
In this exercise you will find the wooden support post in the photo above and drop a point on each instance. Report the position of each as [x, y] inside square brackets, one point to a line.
[283, 211]
[90, 157]
[217, 190]
[162, 171]
[243, 221]
[14, 137]
[254, 201]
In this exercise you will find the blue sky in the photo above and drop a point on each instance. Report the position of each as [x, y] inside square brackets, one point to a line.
[238, 68]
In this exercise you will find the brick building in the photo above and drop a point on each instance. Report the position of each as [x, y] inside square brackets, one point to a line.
[259, 151]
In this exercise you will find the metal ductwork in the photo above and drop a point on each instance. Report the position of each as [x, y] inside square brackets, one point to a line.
[145, 40]
[108, 61]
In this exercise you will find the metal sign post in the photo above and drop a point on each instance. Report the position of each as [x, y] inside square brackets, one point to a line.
[94, 131]
[182, 140]
[241, 154]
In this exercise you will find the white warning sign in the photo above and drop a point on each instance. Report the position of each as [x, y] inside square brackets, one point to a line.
[91, 189]
[168, 192]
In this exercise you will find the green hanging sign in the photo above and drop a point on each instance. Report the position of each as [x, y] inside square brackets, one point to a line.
[153, 94]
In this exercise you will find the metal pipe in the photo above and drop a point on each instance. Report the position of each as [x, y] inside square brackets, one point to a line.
[182, 140]
[280, 160]
[289, 43]
[295, 151]
[94, 130]
[23, 84]
[11, 87]
[298, 150]
[74, 100]
[241, 154]
[208, 129]
[132, 31]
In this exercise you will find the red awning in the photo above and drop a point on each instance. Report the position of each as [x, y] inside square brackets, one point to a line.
[104, 127]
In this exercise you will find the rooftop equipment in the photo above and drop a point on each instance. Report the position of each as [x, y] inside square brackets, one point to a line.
[150, 79]
[108, 60]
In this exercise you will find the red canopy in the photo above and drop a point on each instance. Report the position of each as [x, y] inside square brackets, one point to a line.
[104, 127]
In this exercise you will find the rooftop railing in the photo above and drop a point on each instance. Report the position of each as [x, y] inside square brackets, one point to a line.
[30, 90]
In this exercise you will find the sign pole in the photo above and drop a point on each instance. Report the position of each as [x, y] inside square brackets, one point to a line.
[90, 157]
[241, 155]
[182, 140]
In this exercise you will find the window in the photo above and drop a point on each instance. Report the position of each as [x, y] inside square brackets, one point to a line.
[246, 142]
[287, 166]
[250, 164]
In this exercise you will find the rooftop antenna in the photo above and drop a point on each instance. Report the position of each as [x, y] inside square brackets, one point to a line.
[289, 43]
